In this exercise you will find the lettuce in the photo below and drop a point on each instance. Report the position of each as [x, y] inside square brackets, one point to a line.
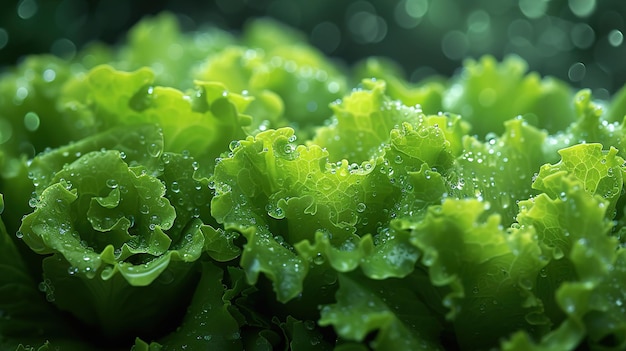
[210, 191]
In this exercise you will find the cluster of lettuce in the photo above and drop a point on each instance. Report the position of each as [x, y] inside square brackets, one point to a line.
[204, 191]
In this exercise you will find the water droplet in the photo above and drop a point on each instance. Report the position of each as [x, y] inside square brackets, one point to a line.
[309, 324]
[154, 150]
[111, 183]
[319, 259]
[166, 277]
[175, 187]
[234, 145]
[360, 207]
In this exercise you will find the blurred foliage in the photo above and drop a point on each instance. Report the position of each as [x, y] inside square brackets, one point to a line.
[580, 41]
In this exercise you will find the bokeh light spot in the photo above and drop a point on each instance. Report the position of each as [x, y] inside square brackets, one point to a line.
[455, 45]
[615, 38]
[31, 121]
[533, 8]
[285, 10]
[367, 27]
[49, 75]
[63, 48]
[230, 6]
[577, 72]
[416, 8]
[409, 13]
[582, 8]
[27, 9]
[520, 32]
[4, 38]
[478, 21]
[6, 130]
[326, 36]
[582, 35]
[444, 13]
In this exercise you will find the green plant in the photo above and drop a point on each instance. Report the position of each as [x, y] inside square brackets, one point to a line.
[196, 191]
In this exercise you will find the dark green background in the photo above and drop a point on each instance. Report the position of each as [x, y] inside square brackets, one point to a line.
[568, 39]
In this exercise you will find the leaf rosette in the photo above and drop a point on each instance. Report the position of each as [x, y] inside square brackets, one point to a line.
[121, 239]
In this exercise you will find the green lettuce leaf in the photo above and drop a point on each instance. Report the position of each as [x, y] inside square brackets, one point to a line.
[428, 94]
[208, 323]
[292, 83]
[362, 122]
[616, 110]
[202, 122]
[591, 126]
[293, 205]
[500, 170]
[119, 232]
[487, 93]
[28, 100]
[601, 172]
[158, 42]
[25, 315]
[579, 284]
[303, 335]
[29, 111]
[488, 272]
[390, 309]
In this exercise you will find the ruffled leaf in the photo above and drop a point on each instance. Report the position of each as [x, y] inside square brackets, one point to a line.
[579, 283]
[208, 323]
[500, 170]
[123, 231]
[489, 272]
[25, 314]
[201, 123]
[426, 94]
[292, 83]
[388, 308]
[600, 172]
[488, 93]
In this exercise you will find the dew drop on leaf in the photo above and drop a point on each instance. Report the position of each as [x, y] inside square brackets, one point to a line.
[111, 183]
[154, 150]
[319, 259]
[360, 207]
